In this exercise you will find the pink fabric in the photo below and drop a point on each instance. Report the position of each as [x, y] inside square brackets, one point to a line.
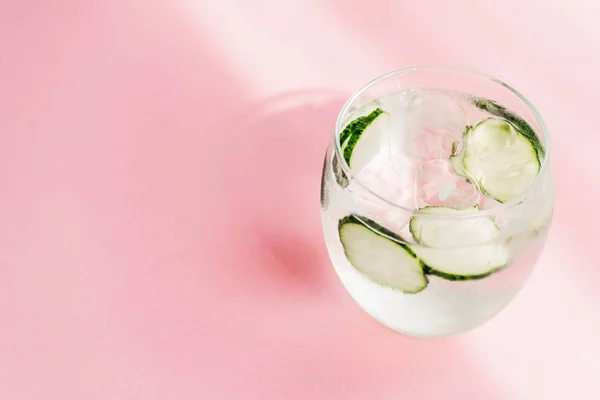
[160, 165]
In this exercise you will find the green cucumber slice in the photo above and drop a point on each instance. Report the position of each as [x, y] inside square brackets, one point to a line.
[357, 125]
[340, 176]
[499, 110]
[457, 249]
[439, 232]
[463, 263]
[456, 160]
[499, 158]
[457, 164]
[362, 138]
[349, 130]
[454, 147]
[324, 186]
[385, 261]
[349, 138]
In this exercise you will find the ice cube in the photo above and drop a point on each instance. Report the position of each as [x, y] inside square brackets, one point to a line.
[424, 124]
[390, 179]
[436, 184]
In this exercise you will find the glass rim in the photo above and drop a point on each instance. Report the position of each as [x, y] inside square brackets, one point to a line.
[418, 212]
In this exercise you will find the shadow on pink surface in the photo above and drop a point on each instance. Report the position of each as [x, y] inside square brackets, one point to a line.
[277, 191]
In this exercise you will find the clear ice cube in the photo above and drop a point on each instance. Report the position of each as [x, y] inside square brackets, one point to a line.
[436, 184]
[424, 124]
[390, 178]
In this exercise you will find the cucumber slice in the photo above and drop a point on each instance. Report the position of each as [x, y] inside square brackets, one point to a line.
[499, 110]
[362, 138]
[383, 260]
[348, 140]
[456, 160]
[358, 125]
[340, 176]
[457, 164]
[463, 263]
[440, 232]
[457, 249]
[502, 161]
[324, 186]
[454, 147]
[349, 130]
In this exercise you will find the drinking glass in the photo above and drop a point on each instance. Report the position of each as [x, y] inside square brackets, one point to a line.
[379, 207]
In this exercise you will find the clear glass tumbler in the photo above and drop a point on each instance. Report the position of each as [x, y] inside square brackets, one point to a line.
[436, 198]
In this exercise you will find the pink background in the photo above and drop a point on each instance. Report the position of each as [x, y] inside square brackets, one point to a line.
[160, 164]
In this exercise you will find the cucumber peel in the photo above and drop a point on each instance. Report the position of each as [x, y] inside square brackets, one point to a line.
[324, 187]
[340, 176]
